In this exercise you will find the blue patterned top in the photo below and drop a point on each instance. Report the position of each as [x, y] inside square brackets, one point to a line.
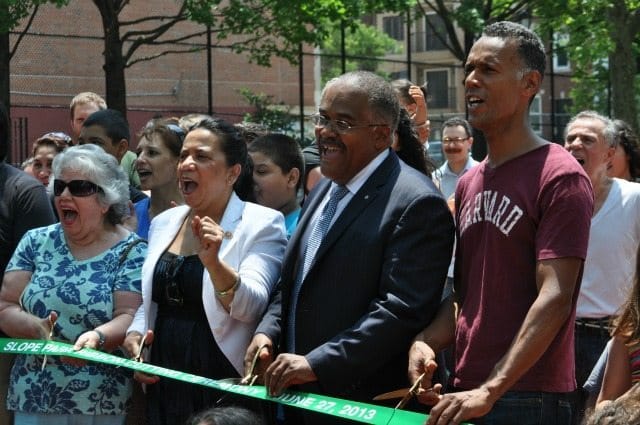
[81, 292]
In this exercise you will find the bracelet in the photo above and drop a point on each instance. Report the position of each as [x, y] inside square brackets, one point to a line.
[101, 339]
[229, 291]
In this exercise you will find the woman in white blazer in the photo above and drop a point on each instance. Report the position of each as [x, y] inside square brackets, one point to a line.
[206, 281]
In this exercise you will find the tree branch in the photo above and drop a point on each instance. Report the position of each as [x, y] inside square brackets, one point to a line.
[451, 43]
[145, 19]
[24, 31]
[165, 52]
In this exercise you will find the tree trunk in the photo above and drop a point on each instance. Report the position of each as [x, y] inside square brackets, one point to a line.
[5, 80]
[116, 91]
[622, 64]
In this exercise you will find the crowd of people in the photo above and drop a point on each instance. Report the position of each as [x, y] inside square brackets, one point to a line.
[226, 251]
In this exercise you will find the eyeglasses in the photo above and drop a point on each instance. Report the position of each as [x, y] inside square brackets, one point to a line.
[79, 188]
[339, 126]
[454, 140]
[173, 291]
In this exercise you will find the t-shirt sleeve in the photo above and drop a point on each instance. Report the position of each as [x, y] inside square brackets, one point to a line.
[34, 207]
[567, 207]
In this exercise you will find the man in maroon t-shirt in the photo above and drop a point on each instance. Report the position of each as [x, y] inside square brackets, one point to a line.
[523, 221]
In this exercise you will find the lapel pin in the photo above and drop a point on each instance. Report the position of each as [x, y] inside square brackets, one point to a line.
[228, 235]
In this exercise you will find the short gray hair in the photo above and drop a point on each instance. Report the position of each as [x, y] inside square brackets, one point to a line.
[102, 169]
[381, 97]
[609, 131]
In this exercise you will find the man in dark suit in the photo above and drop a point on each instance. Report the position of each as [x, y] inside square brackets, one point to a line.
[351, 298]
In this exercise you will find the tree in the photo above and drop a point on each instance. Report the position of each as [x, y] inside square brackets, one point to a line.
[12, 12]
[261, 28]
[276, 117]
[470, 16]
[363, 44]
[604, 46]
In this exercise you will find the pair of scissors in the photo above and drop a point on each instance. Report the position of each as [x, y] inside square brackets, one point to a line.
[138, 356]
[52, 323]
[404, 394]
[252, 377]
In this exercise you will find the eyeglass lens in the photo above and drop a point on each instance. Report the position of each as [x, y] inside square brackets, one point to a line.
[78, 188]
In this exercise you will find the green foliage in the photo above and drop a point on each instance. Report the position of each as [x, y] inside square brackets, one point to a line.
[592, 32]
[279, 27]
[363, 44]
[276, 117]
[13, 11]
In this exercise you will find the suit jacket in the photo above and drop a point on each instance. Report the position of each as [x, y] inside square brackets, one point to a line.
[255, 250]
[376, 281]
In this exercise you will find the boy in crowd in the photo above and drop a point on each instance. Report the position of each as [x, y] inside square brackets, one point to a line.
[277, 169]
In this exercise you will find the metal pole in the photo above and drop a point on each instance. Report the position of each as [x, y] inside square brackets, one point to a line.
[343, 49]
[209, 72]
[552, 86]
[301, 92]
[409, 65]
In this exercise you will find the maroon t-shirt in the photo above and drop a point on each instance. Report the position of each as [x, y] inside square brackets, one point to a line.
[534, 207]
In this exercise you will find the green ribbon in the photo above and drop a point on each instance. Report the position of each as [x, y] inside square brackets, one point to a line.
[345, 409]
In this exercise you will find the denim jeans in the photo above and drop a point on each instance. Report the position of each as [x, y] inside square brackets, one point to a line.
[589, 344]
[530, 408]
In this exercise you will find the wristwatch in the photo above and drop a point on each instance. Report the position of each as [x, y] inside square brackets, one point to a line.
[101, 339]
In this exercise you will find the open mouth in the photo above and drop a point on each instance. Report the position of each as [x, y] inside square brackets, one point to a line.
[327, 149]
[68, 216]
[144, 173]
[188, 186]
[474, 101]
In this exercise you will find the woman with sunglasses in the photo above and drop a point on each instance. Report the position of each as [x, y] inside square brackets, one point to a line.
[77, 281]
[157, 165]
[207, 278]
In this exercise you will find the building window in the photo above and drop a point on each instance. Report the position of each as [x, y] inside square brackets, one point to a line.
[435, 33]
[535, 115]
[438, 89]
[393, 26]
[560, 53]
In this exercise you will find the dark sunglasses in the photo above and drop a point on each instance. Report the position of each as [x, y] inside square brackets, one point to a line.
[78, 188]
[178, 131]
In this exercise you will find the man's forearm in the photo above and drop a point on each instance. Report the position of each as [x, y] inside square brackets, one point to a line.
[441, 331]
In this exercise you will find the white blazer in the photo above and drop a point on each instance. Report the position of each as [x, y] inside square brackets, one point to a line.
[255, 250]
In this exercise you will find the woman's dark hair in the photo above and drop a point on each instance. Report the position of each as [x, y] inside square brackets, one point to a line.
[627, 138]
[5, 132]
[228, 415]
[235, 152]
[409, 148]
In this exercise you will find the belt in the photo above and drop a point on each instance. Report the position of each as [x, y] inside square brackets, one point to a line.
[603, 323]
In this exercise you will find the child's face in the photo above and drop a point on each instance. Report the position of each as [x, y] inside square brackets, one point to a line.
[272, 187]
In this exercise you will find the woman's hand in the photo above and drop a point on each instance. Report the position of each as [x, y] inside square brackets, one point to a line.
[421, 115]
[89, 339]
[133, 344]
[210, 236]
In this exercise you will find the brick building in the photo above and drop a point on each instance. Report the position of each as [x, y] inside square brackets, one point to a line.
[62, 55]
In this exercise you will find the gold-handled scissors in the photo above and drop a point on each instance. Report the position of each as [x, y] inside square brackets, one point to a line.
[138, 356]
[405, 394]
[52, 323]
[251, 377]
